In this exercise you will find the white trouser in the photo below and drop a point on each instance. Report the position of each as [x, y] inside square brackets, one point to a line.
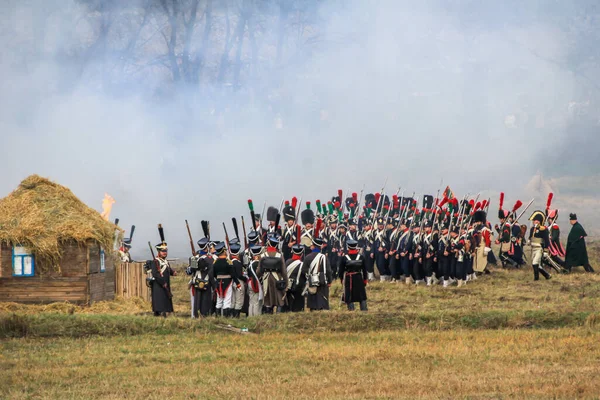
[224, 299]
[255, 303]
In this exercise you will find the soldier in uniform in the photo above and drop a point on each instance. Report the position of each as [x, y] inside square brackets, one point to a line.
[331, 237]
[289, 231]
[405, 246]
[538, 236]
[482, 241]
[504, 239]
[124, 254]
[429, 252]
[202, 283]
[318, 273]
[255, 291]
[415, 254]
[379, 253]
[444, 255]
[556, 249]
[394, 261]
[353, 275]
[458, 255]
[226, 280]
[237, 295]
[272, 272]
[272, 229]
[162, 299]
[365, 242]
[296, 280]
[308, 219]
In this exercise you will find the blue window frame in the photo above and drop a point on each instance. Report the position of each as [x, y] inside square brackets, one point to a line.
[23, 261]
[102, 263]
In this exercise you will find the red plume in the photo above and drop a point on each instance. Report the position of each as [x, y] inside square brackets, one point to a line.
[355, 197]
[472, 203]
[337, 205]
[352, 205]
[377, 197]
[501, 200]
[394, 197]
[549, 202]
[287, 203]
[517, 205]
[477, 206]
[443, 202]
[294, 202]
[318, 227]
[455, 202]
[340, 193]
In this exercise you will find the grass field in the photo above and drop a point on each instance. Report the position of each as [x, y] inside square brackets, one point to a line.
[503, 336]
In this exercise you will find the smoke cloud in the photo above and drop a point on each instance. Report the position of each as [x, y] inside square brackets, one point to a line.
[476, 95]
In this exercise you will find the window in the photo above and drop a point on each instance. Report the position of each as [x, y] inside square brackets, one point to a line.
[23, 262]
[102, 264]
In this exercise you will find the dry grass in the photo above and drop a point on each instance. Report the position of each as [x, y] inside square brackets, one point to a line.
[405, 364]
[41, 215]
[503, 336]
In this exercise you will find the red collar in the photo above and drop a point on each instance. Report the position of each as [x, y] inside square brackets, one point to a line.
[296, 257]
[355, 251]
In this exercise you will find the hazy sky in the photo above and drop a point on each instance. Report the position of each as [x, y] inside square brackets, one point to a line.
[413, 91]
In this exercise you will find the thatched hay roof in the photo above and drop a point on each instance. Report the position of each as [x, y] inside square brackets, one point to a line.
[41, 215]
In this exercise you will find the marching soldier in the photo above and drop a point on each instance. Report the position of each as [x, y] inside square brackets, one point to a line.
[482, 241]
[318, 273]
[556, 249]
[538, 235]
[444, 255]
[428, 251]
[365, 242]
[379, 253]
[296, 280]
[238, 295]
[289, 231]
[202, 282]
[353, 275]
[225, 279]
[272, 272]
[405, 246]
[255, 291]
[308, 220]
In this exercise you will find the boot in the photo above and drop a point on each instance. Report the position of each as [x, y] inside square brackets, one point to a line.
[363, 305]
[446, 283]
[428, 280]
[544, 273]
[588, 268]
[371, 276]
[219, 312]
[350, 306]
[418, 282]
[461, 283]
[407, 280]
[474, 276]
[536, 272]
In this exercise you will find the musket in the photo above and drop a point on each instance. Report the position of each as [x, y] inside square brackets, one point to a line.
[245, 237]
[169, 294]
[281, 205]
[262, 216]
[190, 236]
[235, 228]
[360, 199]
[298, 209]
[226, 235]
[523, 212]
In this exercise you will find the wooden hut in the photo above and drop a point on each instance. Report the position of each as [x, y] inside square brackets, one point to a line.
[53, 247]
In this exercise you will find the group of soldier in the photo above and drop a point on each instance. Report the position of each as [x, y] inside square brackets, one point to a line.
[291, 267]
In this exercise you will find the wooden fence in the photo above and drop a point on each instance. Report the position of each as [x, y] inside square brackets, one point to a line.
[130, 281]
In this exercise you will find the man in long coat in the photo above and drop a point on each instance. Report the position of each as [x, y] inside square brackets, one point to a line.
[576, 250]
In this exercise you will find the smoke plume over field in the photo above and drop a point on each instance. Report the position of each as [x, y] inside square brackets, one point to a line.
[184, 109]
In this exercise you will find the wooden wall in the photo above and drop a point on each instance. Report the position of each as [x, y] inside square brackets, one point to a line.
[130, 281]
[79, 279]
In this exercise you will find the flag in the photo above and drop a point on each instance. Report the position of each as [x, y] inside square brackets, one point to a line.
[448, 193]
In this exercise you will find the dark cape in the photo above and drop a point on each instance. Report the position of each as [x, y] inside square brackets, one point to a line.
[576, 250]
[353, 274]
[203, 299]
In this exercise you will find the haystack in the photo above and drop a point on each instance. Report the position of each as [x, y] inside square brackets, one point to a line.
[43, 215]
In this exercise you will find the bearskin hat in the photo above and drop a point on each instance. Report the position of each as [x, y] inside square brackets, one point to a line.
[272, 214]
[307, 216]
[479, 216]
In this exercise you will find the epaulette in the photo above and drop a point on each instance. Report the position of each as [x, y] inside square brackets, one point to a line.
[555, 227]
[229, 261]
[542, 228]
